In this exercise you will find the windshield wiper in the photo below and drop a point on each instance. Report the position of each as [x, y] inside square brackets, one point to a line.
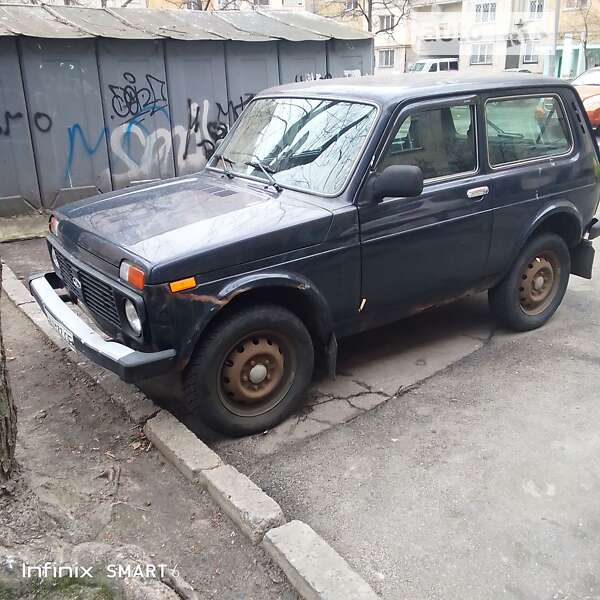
[225, 162]
[268, 171]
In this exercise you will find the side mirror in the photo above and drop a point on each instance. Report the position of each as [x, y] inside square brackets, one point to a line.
[398, 181]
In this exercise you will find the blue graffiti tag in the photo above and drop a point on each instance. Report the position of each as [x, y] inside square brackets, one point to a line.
[75, 131]
[138, 122]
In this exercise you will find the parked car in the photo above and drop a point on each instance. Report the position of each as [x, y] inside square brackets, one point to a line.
[588, 88]
[432, 65]
[332, 207]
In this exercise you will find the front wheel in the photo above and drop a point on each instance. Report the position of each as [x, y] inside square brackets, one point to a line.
[535, 286]
[250, 371]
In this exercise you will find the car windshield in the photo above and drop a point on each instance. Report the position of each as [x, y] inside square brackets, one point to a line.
[419, 66]
[302, 143]
[591, 77]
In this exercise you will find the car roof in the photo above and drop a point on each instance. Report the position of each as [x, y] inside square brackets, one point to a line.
[395, 87]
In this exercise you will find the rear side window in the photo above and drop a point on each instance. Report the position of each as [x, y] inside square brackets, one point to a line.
[454, 65]
[440, 141]
[526, 128]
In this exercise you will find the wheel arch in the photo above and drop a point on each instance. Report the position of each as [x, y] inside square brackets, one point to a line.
[294, 292]
[562, 218]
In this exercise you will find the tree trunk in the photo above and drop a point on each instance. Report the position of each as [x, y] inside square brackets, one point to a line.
[8, 416]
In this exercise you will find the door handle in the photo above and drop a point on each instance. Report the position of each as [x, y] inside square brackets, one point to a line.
[478, 192]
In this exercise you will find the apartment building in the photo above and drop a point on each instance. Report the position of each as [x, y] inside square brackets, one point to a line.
[579, 39]
[507, 34]
[392, 39]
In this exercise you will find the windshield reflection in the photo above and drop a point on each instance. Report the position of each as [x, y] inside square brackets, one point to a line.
[303, 143]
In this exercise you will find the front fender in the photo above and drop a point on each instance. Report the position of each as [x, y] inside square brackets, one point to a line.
[221, 297]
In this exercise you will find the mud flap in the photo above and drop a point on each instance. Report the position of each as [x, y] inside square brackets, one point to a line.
[331, 353]
[582, 259]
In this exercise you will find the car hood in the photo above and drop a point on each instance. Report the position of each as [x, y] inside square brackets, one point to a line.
[194, 225]
[587, 91]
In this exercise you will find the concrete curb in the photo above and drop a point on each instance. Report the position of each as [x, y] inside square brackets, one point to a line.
[253, 511]
[180, 446]
[314, 569]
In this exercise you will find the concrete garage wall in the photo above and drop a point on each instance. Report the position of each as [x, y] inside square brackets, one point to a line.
[65, 119]
[196, 75]
[83, 114]
[18, 179]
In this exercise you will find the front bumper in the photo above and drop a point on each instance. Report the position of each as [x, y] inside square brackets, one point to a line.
[130, 365]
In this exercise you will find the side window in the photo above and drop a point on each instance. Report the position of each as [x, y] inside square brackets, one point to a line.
[454, 65]
[433, 67]
[525, 128]
[440, 141]
[443, 66]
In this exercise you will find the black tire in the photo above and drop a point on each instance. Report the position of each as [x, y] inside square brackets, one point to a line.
[268, 335]
[515, 301]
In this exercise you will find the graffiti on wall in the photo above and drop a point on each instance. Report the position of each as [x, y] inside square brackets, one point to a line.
[75, 133]
[8, 117]
[41, 121]
[205, 134]
[141, 143]
[311, 76]
[133, 101]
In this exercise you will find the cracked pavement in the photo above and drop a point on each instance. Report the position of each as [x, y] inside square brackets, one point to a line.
[374, 368]
[480, 482]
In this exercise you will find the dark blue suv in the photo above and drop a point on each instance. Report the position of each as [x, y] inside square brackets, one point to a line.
[331, 207]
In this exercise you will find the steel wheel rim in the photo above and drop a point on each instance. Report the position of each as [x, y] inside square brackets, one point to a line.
[538, 283]
[256, 373]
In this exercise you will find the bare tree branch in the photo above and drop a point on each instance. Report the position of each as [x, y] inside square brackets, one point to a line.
[371, 9]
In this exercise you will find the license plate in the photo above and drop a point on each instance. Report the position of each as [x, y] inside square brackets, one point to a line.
[64, 333]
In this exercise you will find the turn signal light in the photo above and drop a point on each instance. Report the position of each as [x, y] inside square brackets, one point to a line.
[182, 284]
[133, 275]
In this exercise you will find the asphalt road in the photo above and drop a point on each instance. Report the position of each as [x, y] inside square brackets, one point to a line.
[482, 482]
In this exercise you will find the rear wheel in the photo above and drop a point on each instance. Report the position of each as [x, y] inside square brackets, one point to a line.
[250, 372]
[535, 286]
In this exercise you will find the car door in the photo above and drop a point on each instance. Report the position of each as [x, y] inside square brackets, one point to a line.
[421, 250]
[538, 160]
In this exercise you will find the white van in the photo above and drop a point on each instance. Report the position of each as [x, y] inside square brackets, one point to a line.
[432, 65]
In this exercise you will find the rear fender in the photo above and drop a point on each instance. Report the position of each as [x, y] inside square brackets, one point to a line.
[564, 209]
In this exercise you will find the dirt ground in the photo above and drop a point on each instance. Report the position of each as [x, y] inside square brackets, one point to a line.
[89, 475]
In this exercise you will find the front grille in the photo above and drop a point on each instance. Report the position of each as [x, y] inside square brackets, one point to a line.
[98, 296]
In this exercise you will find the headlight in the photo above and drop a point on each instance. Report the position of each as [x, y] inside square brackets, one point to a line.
[132, 317]
[132, 275]
[55, 261]
[53, 225]
[592, 102]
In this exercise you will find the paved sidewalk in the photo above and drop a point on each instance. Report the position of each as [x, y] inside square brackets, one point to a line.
[483, 482]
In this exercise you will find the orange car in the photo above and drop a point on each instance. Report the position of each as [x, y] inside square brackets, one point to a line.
[588, 88]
